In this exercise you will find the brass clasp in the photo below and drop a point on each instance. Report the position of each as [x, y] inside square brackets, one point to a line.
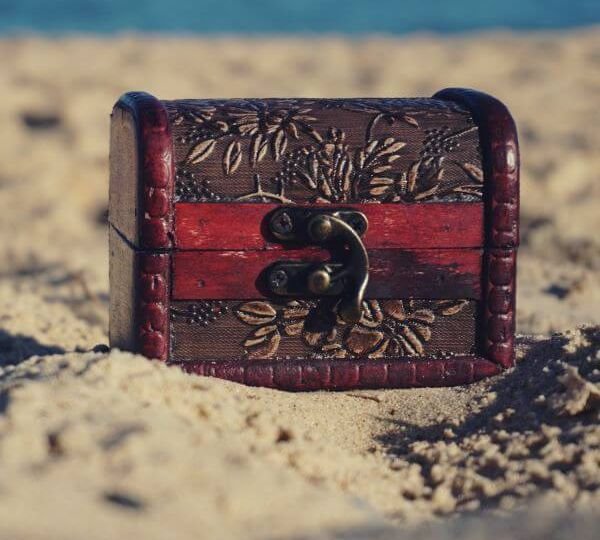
[340, 229]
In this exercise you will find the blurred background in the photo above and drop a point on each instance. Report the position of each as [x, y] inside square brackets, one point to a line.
[292, 16]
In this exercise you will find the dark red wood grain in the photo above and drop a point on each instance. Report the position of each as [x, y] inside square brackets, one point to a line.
[153, 304]
[154, 218]
[237, 226]
[500, 148]
[238, 275]
[348, 374]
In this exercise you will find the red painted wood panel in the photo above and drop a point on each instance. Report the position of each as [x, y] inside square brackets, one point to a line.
[238, 275]
[221, 226]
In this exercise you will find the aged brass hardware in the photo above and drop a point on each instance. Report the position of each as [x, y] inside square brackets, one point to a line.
[335, 229]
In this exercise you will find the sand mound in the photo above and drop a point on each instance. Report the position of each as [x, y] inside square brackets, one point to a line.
[100, 444]
[134, 446]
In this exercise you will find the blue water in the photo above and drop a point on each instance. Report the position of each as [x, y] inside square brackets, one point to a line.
[352, 17]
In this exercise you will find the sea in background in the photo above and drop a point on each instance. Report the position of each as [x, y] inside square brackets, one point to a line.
[351, 17]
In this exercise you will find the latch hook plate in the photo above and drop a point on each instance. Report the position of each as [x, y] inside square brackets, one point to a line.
[338, 228]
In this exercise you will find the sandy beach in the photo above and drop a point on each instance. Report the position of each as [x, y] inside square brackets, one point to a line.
[96, 444]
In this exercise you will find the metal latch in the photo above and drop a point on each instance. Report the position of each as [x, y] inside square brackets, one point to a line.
[340, 231]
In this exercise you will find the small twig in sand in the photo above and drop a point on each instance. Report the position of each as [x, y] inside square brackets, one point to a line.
[376, 399]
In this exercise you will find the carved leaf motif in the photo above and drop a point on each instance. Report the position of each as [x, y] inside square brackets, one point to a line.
[247, 127]
[371, 314]
[380, 185]
[471, 189]
[413, 174]
[201, 151]
[473, 171]
[362, 340]
[265, 129]
[312, 338]
[360, 158]
[371, 147]
[202, 114]
[372, 124]
[344, 171]
[424, 315]
[264, 345]
[426, 193]
[258, 148]
[294, 315]
[381, 349]
[279, 144]
[451, 307]
[423, 331]
[264, 330]
[395, 309]
[391, 147]
[232, 157]
[374, 166]
[412, 341]
[295, 310]
[293, 328]
[313, 170]
[424, 177]
[256, 313]
[319, 339]
[335, 350]
[292, 130]
[410, 120]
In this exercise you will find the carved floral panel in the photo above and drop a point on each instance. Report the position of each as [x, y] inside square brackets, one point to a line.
[325, 151]
[261, 329]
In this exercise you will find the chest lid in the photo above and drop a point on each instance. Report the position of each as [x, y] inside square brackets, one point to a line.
[327, 151]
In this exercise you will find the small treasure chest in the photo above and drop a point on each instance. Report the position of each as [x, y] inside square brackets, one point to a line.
[316, 243]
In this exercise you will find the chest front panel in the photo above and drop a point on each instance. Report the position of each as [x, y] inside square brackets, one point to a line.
[235, 161]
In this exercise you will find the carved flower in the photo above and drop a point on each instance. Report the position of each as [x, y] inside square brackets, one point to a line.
[374, 164]
[425, 180]
[327, 168]
[341, 175]
[264, 341]
[389, 327]
[422, 181]
[265, 124]
[395, 327]
[315, 322]
[269, 124]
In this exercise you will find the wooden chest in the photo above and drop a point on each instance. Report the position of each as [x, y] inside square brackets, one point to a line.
[316, 243]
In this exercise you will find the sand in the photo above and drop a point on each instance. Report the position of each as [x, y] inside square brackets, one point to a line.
[97, 444]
